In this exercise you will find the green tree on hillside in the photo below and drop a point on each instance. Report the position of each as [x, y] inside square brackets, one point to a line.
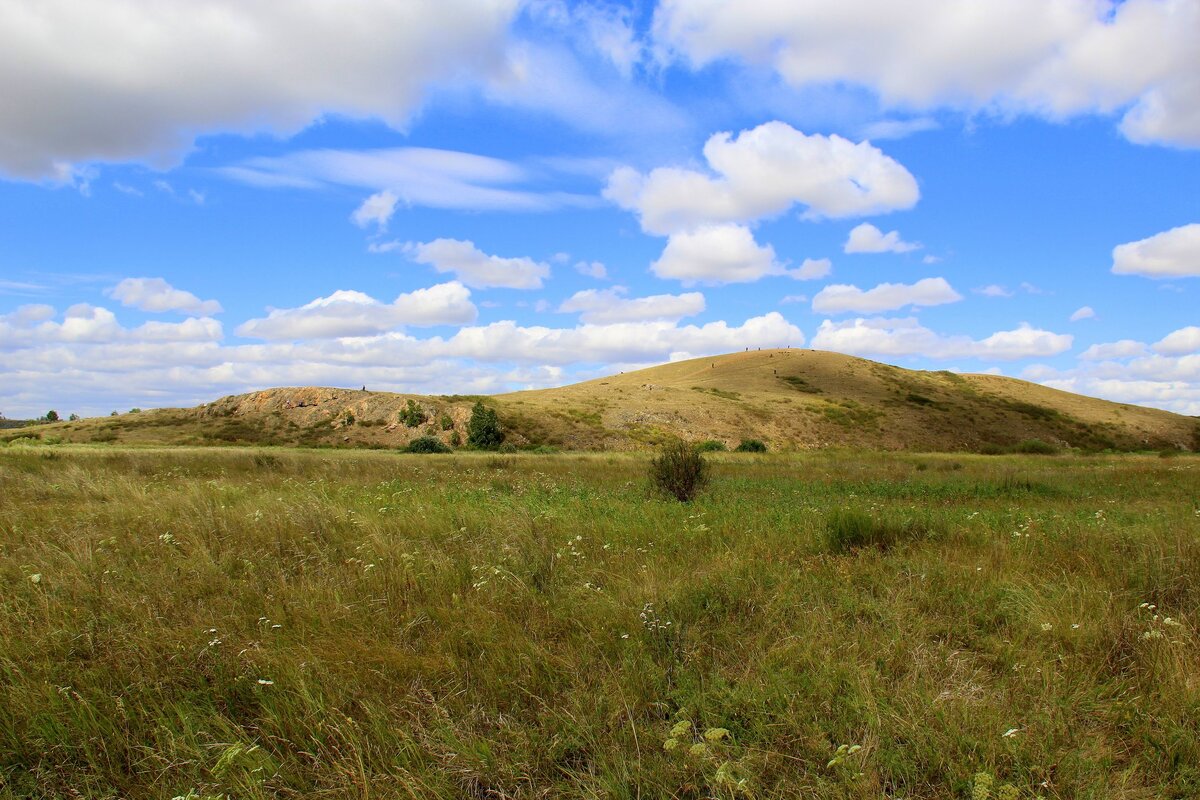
[51, 416]
[483, 429]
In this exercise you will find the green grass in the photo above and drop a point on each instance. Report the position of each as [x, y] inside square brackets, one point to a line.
[287, 623]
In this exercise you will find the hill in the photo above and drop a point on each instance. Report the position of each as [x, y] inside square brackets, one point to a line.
[791, 399]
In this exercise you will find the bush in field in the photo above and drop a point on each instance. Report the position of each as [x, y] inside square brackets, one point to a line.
[1036, 447]
[51, 416]
[751, 446]
[849, 529]
[711, 446]
[427, 444]
[483, 429]
[412, 415]
[679, 470]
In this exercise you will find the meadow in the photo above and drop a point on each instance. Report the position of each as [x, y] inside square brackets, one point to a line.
[254, 623]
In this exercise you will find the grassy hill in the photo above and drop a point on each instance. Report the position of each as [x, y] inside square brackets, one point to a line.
[791, 399]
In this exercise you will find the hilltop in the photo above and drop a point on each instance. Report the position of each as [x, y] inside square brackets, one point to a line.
[789, 398]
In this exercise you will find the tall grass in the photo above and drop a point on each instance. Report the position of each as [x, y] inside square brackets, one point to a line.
[351, 624]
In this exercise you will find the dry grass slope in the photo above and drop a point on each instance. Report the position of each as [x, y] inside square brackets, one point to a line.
[792, 399]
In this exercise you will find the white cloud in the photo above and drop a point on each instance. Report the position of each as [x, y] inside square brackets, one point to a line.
[812, 269]
[762, 173]
[866, 238]
[610, 305]
[128, 80]
[349, 314]
[1126, 348]
[907, 337]
[1181, 342]
[1053, 59]
[592, 269]
[376, 210]
[993, 290]
[716, 254]
[840, 298]
[83, 323]
[1170, 254]
[476, 268]
[1083, 312]
[898, 128]
[414, 176]
[156, 295]
[790, 299]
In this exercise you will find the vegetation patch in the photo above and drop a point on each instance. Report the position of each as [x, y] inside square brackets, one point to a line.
[679, 471]
[800, 384]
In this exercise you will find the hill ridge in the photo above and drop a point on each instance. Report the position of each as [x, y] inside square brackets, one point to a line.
[792, 398]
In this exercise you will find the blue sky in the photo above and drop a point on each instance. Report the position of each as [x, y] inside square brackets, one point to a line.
[202, 197]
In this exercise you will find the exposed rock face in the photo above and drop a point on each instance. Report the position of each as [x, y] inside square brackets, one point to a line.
[367, 417]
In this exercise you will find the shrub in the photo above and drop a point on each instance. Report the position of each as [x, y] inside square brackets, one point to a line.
[51, 416]
[849, 529]
[711, 446]
[412, 415]
[455, 440]
[679, 470]
[483, 429]
[991, 449]
[751, 446]
[73, 418]
[446, 422]
[427, 444]
[1035, 447]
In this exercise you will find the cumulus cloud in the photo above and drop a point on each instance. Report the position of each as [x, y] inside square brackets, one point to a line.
[866, 238]
[156, 295]
[83, 323]
[879, 336]
[840, 298]
[128, 80]
[1170, 254]
[1126, 348]
[716, 254]
[349, 313]
[993, 290]
[1083, 312]
[812, 269]
[376, 210]
[592, 269]
[1053, 59]
[610, 305]
[478, 269]
[1181, 342]
[761, 173]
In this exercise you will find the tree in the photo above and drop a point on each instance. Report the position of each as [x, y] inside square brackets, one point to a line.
[412, 415]
[51, 416]
[483, 429]
[73, 418]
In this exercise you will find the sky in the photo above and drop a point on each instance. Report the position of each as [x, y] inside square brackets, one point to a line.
[207, 197]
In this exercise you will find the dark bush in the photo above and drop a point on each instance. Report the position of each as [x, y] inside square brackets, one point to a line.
[483, 429]
[849, 529]
[679, 470]
[1035, 447]
[446, 422]
[427, 444]
[751, 446]
[711, 446]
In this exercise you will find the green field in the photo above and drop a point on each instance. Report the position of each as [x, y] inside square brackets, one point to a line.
[278, 623]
